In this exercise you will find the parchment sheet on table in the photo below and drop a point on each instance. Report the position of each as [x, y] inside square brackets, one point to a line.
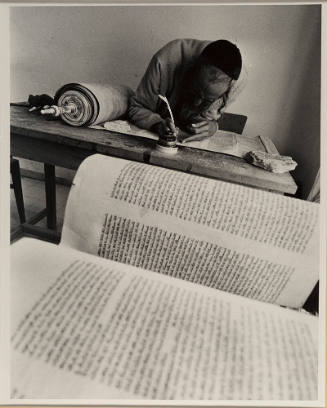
[222, 142]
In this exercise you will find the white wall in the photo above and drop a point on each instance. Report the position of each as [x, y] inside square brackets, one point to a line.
[51, 46]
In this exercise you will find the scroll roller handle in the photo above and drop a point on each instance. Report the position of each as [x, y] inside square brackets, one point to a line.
[56, 111]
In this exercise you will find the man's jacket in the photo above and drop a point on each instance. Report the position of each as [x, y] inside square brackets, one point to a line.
[163, 76]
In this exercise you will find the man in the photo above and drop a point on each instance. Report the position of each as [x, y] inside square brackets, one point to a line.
[196, 77]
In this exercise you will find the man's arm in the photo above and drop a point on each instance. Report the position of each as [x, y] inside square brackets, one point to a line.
[143, 105]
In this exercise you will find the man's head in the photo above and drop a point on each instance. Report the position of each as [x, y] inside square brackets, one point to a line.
[225, 56]
[211, 80]
[219, 64]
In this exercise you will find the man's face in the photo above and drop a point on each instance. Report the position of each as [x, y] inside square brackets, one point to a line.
[205, 93]
[212, 83]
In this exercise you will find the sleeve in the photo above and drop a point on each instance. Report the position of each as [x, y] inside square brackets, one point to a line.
[143, 104]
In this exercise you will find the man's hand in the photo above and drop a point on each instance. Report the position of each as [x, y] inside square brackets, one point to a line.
[200, 130]
[166, 127]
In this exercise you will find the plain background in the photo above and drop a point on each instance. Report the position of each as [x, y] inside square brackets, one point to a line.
[280, 44]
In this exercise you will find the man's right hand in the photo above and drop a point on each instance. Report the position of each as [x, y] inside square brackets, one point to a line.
[165, 127]
[199, 131]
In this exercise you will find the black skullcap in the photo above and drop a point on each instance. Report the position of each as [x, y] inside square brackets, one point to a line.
[225, 56]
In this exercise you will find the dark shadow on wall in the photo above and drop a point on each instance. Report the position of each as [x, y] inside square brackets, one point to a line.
[303, 142]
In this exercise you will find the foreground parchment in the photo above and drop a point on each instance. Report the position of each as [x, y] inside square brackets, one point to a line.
[86, 327]
[226, 236]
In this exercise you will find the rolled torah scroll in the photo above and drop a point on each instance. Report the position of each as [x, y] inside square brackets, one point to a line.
[85, 104]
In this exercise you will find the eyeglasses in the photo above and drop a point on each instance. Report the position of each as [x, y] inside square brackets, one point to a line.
[205, 103]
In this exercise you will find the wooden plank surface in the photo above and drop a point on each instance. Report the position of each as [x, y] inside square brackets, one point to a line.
[35, 138]
[268, 144]
[246, 144]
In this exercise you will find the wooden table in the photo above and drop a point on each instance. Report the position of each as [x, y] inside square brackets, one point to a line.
[54, 143]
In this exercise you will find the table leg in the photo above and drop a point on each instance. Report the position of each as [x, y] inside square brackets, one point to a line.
[17, 186]
[50, 195]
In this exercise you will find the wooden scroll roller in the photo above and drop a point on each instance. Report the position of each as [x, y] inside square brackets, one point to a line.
[81, 104]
